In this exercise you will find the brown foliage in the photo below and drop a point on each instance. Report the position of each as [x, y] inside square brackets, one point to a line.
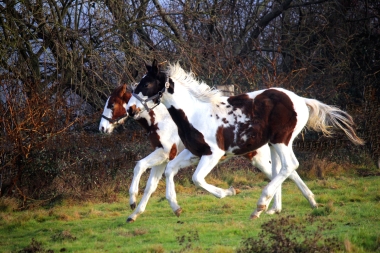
[288, 234]
[60, 60]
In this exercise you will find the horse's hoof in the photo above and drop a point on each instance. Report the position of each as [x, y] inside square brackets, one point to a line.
[133, 206]
[234, 191]
[130, 220]
[178, 212]
[253, 217]
[261, 208]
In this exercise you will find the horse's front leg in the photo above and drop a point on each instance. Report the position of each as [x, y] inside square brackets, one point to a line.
[184, 159]
[154, 177]
[157, 157]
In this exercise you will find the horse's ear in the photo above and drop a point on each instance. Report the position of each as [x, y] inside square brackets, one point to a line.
[154, 63]
[124, 89]
[155, 68]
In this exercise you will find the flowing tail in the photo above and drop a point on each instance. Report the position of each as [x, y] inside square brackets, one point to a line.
[323, 118]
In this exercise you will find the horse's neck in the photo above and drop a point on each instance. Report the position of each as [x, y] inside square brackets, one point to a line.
[160, 114]
[187, 103]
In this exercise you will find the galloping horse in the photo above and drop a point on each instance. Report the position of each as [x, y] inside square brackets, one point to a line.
[212, 126]
[163, 135]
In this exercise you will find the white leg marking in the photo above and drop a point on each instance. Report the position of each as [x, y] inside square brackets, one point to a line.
[304, 189]
[206, 164]
[184, 159]
[157, 157]
[155, 176]
[289, 164]
[266, 163]
[276, 166]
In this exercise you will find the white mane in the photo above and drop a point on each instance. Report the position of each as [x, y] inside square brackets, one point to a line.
[198, 89]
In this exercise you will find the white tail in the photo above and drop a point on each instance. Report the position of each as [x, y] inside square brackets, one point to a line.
[323, 118]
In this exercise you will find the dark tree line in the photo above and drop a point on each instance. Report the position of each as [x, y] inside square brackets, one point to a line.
[60, 59]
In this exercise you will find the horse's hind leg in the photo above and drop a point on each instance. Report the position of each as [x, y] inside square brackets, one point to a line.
[261, 162]
[270, 166]
[304, 189]
[289, 164]
[155, 176]
[276, 166]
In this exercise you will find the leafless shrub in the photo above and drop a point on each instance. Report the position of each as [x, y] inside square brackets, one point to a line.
[60, 60]
[288, 234]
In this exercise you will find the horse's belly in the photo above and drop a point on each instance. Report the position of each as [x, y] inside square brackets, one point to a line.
[240, 139]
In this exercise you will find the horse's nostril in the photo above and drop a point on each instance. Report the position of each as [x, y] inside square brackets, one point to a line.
[102, 130]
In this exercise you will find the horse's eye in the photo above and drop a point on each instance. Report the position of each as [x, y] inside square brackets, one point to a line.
[146, 85]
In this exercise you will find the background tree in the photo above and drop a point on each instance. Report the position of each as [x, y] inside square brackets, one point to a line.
[61, 59]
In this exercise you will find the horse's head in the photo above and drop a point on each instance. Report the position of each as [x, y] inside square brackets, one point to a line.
[115, 112]
[149, 90]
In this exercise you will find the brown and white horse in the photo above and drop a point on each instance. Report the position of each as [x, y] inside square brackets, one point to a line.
[212, 126]
[163, 135]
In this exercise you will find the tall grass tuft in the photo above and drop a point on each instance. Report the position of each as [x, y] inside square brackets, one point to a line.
[8, 204]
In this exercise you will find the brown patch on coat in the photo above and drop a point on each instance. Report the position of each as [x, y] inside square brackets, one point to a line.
[118, 98]
[152, 134]
[276, 108]
[151, 130]
[144, 123]
[250, 155]
[171, 86]
[239, 101]
[222, 158]
[220, 138]
[273, 119]
[192, 139]
[173, 152]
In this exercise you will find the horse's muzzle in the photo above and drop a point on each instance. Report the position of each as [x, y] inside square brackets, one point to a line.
[102, 129]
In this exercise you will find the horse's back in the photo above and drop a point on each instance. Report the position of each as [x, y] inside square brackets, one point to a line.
[283, 112]
[288, 97]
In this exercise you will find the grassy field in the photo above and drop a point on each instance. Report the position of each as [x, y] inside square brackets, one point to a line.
[208, 224]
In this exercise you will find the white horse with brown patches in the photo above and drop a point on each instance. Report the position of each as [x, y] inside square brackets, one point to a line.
[163, 135]
[212, 126]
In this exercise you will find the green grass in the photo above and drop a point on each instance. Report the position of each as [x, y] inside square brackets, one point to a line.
[207, 224]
